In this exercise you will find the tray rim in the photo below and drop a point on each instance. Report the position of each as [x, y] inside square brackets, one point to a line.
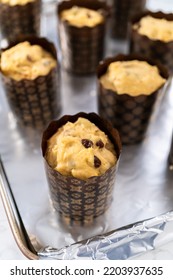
[14, 218]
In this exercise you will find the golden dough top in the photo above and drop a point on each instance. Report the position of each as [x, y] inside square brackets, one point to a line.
[16, 2]
[80, 17]
[155, 28]
[80, 150]
[132, 77]
[25, 61]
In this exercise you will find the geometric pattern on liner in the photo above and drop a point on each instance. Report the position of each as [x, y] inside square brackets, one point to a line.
[159, 51]
[20, 19]
[79, 202]
[34, 102]
[122, 11]
[82, 48]
[129, 115]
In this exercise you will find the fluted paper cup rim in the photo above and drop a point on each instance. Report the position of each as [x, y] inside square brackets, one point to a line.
[158, 14]
[104, 64]
[101, 123]
[33, 40]
[102, 5]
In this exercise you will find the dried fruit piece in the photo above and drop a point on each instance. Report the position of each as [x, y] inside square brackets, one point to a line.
[87, 143]
[97, 162]
[100, 144]
[29, 58]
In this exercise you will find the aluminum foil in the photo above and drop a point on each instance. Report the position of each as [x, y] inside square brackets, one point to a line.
[144, 185]
[152, 239]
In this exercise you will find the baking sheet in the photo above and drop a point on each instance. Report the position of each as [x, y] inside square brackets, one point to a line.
[144, 185]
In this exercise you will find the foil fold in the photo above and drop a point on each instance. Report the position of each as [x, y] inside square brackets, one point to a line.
[125, 243]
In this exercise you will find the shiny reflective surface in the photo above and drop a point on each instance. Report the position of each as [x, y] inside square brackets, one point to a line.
[144, 186]
[151, 239]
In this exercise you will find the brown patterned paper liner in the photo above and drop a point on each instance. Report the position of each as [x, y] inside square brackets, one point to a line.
[129, 114]
[82, 47]
[155, 49]
[20, 19]
[79, 202]
[171, 156]
[122, 11]
[35, 102]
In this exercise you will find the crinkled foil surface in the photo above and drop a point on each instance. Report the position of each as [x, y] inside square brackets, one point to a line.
[148, 239]
[143, 189]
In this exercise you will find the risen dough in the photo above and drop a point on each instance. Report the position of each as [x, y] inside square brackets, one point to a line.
[25, 61]
[132, 77]
[79, 17]
[81, 150]
[155, 28]
[16, 2]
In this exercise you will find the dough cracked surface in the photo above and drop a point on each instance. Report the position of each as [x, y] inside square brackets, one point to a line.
[80, 16]
[80, 150]
[155, 28]
[132, 77]
[26, 61]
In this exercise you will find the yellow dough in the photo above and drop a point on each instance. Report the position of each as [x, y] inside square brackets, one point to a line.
[132, 77]
[16, 2]
[155, 28]
[79, 17]
[25, 61]
[80, 150]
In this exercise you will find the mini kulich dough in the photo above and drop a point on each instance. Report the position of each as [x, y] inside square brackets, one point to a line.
[16, 2]
[155, 28]
[26, 61]
[80, 16]
[80, 150]
[132, 77]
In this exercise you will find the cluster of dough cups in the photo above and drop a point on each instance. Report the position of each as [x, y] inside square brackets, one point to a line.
[35, 102]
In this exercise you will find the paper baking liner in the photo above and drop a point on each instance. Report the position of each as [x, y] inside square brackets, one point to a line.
[171, 156]
[35, 102]
[79, 201]
[20, 19]
[122, 11]
[130, 115]
[82, 47]
[154, 49]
